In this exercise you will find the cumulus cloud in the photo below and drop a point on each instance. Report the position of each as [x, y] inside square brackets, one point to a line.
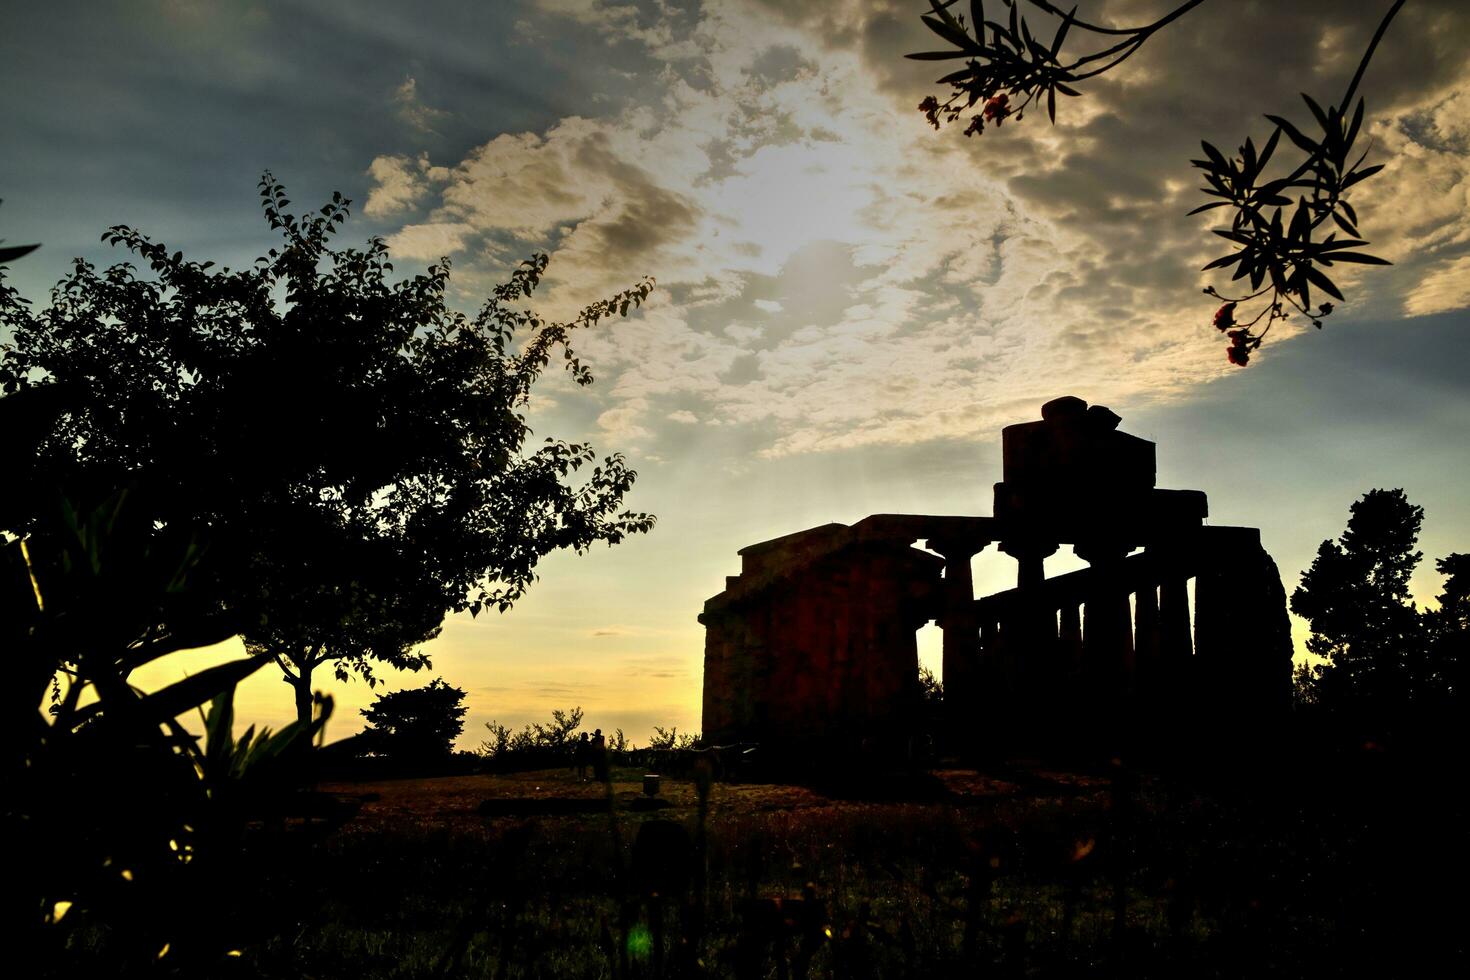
[429, 242]
[653, 23]
[833, 274]
[397, 186]
[1446, 288]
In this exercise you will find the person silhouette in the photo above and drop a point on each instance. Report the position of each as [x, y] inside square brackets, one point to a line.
[599, 756]
[581, 749]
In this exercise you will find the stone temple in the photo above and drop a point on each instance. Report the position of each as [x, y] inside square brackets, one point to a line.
[1176, 628]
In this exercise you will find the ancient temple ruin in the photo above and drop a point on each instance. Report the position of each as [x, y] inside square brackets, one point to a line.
[815, 638]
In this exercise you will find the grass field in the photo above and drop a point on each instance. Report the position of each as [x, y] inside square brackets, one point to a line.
[1023, 873]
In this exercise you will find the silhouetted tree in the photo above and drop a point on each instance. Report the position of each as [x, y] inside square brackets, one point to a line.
[931, 690]
[1448, 629]
[669, 739]
[1356, 598]
[352, 449]
[553, 737]
[418, 724]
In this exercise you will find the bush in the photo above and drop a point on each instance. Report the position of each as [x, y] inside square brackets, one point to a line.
[535, 746]
[415, 725]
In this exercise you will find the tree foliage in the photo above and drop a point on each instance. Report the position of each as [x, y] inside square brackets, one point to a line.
[1448, 634]
[1286, 221]
[1356, 598]
[417, 724]
[119, 822]
[554, 737]
[669, 740]
[355, 450]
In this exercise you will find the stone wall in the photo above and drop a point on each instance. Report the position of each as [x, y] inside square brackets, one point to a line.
[816, 638]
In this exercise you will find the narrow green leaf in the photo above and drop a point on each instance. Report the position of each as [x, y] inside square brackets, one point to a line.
[1360, 175]
[1216, 157]
[1315, 276]
[1294, 134]
[1322, 117]
[1354, 126]
[14, 252]
[1269, 148]
[1301, 221]
[956, 76]
[1358, 257]
[1056, 42]
[951, 33]
[1344, 224]
[185, 694]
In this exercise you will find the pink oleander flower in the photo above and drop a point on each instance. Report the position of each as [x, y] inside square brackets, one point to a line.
[996, 108]
[930, 108]
[1225, 317]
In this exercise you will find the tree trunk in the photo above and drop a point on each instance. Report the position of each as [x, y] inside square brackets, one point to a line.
[301, 683]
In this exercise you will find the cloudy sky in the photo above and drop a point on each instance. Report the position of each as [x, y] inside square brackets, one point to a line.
[849, 305]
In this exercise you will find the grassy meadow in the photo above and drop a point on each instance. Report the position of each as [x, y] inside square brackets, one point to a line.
[1020, 872]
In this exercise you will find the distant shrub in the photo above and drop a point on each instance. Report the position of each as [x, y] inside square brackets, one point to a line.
[417, 724]
[537, 744]
[669, 739]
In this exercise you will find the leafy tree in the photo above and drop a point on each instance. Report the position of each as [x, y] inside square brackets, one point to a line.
[1286, 221]
[1448, 629]
[1356, 598]
[353, 449]
[417, 724]
[669, 740]
[931, 690]
[553, 737]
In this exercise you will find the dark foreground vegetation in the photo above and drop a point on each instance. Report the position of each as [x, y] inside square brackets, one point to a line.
[1354, 868]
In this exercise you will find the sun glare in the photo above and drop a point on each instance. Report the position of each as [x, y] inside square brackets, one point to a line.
[789, 196]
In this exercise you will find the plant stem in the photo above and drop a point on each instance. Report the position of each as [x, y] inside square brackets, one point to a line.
[1352, 88]
[1173, 15]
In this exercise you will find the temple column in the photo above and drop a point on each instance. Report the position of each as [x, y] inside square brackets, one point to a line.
[1070, 640]
[961, 639]
[1177, 689]
[1176, 648]
[1107, 638]
[1032, 667]
[1068, 721]
[1220, 623]
[1146, 645]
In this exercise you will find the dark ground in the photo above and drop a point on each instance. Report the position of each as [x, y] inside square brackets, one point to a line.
[1021, 872]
